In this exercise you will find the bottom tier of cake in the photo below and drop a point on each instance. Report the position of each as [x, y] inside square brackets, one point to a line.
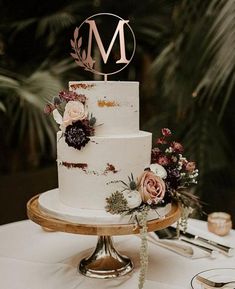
[90, 175]
[50, 203]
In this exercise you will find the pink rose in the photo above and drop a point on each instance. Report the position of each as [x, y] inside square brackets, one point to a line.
[151, 187]
[177, 147]
[190, 167]
[74, 110]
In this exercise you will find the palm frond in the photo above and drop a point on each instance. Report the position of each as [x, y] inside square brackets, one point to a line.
[196, 67]
[24, 103]
[219, 45]
[51, 25]
[2, 107]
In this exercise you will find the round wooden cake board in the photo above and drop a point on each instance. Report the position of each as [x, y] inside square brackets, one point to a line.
[105, 261]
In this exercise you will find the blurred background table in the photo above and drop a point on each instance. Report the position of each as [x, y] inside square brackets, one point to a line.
[31, 258]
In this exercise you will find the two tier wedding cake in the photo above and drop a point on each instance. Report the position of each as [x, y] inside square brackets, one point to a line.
[98, 145]
[107, 170]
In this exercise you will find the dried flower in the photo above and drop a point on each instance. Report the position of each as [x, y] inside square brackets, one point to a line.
[177, 147]
[161, 140]
[163, 160]
[166, 132]
[156, 152]
[190, 166]
[68, 95]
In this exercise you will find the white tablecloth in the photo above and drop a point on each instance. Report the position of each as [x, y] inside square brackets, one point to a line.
[31, 258]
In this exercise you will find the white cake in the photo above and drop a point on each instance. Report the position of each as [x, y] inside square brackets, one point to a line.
[118, 149]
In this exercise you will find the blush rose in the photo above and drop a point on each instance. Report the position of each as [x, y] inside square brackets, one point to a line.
[151, 187]
[74, 110]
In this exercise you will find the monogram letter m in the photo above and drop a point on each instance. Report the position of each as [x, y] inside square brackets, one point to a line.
[105, 55]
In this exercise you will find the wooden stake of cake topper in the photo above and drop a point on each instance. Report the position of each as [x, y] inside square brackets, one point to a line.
[83, 56]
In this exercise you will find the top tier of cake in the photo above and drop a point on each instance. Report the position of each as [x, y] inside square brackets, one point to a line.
[115, 105]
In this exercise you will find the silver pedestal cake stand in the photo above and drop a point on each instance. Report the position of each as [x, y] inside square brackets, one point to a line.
[105, 262]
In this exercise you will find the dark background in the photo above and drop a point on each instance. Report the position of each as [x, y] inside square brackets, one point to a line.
[185, 64]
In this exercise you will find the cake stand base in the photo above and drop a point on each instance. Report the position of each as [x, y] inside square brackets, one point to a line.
[105, 262]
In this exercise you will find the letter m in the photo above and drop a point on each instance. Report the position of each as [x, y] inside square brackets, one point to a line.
[105, 55]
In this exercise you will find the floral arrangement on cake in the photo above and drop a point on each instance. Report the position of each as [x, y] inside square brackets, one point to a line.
[168, 179]
[70, 111]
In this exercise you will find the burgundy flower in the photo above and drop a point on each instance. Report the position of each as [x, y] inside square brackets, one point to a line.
[77, 135]
[156, 152]
[161, 140]
[163, 161]
[177, 147]
[89, 127]
[166, 132]
[68, 95]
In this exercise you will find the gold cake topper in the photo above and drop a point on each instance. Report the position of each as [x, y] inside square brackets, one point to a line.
[89, 54]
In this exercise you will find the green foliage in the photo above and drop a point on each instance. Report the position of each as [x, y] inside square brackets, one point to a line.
[194, 74]
[142, 219]
[24, 100]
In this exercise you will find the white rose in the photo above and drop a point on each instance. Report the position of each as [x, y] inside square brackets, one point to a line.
[133, 198]
[158, 170]
[74, 110]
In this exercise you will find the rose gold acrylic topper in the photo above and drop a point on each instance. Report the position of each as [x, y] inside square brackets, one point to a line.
[83, 46]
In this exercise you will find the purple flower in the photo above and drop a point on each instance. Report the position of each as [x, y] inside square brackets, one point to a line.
[173, 178]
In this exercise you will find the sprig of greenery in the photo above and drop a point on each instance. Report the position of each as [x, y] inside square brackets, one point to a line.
[142, 220]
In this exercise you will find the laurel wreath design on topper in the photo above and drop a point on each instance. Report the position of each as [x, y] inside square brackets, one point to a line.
[82, 55]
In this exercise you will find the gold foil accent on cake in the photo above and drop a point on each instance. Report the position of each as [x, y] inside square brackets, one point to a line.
[107, 103]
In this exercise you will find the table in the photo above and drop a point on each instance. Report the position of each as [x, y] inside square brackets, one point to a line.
[31, 258]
